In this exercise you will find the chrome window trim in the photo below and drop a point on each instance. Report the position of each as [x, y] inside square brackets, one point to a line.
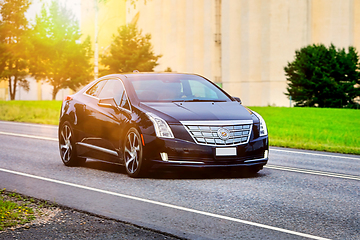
[218, 123]
[106, 79]
[98, 148]
[91, 96]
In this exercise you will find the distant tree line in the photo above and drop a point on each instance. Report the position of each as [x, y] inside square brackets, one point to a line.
[323, 76]
[50, 49]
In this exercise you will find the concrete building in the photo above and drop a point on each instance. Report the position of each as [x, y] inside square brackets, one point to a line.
[100, 21]
[244, 44]
[39, 90]
[241, 44]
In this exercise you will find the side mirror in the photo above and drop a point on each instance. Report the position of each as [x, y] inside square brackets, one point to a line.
[237, 99]
[107, 102]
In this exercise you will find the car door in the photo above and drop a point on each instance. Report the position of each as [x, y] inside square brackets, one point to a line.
[86, 121]
[112, 115]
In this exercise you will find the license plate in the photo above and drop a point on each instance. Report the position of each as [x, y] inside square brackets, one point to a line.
[225, 151]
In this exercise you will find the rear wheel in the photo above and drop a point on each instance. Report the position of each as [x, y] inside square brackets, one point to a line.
[67, 146]
[133, 154]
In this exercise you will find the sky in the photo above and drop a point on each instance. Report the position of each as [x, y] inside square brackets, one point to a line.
[35, 7]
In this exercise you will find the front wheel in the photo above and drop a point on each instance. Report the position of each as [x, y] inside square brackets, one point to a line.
[67, 146]
[133, 154]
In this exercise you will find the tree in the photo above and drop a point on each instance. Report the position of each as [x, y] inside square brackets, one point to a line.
[14, 44]
[130, 51]
[324, 77]
[59, 57]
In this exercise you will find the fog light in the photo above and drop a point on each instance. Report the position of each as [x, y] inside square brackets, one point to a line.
[164, 156]
[266, 153]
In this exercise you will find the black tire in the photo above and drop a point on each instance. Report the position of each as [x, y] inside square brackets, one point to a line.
[67, 146]
[133, 154]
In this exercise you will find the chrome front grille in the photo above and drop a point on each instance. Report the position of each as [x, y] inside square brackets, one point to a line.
[219, 133]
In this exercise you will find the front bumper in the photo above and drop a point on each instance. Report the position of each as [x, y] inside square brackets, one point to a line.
[180, 153]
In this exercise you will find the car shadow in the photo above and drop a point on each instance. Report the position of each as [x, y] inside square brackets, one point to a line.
[178, 173]
[188, 174]
[104, 166]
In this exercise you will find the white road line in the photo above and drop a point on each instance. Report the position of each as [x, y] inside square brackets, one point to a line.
[314, 172]
[314, 154]
[168, 205]
[29, 136]
[30, 124]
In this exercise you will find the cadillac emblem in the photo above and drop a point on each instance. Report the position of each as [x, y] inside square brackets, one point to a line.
[223, 133]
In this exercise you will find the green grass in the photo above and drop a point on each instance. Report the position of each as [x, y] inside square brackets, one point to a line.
[323, 129]
[14, 210]
[45, 112]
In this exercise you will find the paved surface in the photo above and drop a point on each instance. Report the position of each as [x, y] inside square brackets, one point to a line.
[71, 224]
[292, 203]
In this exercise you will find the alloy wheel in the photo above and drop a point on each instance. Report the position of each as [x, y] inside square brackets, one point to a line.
[133, 153]
[67, 146]
[65, 143]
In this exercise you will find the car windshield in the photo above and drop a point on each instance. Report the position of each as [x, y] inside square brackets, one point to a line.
[176, 88]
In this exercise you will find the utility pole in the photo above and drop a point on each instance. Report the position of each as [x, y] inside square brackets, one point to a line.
[96, 52]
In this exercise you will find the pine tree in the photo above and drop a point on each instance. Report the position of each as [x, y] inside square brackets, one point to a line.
[130, 51]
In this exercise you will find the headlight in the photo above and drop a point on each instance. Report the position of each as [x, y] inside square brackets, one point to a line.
[263, 129]
[162, 129]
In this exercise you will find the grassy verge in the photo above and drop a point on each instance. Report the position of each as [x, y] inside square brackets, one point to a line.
[17, 210]
[323, 129]
[45, 112]
[14, 210]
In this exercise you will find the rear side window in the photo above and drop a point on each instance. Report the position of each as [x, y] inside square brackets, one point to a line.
[124, 102]
[95, 89]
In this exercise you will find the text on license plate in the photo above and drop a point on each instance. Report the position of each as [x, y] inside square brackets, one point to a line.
[226, 151]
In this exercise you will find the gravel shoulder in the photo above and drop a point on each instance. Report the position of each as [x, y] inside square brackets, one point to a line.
[56, 222]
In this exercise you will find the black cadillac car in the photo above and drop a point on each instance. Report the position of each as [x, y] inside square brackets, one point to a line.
[151, 120]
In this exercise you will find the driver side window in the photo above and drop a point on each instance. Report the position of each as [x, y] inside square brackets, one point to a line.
[114, 89]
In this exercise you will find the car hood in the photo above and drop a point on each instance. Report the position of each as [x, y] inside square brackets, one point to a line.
[198, 111]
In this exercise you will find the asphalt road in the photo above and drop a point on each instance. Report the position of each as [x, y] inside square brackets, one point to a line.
[300, 195]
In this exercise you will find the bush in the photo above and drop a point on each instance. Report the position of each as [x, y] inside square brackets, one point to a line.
[324, 77]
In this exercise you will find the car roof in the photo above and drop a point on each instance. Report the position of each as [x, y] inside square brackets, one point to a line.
[129, 75]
